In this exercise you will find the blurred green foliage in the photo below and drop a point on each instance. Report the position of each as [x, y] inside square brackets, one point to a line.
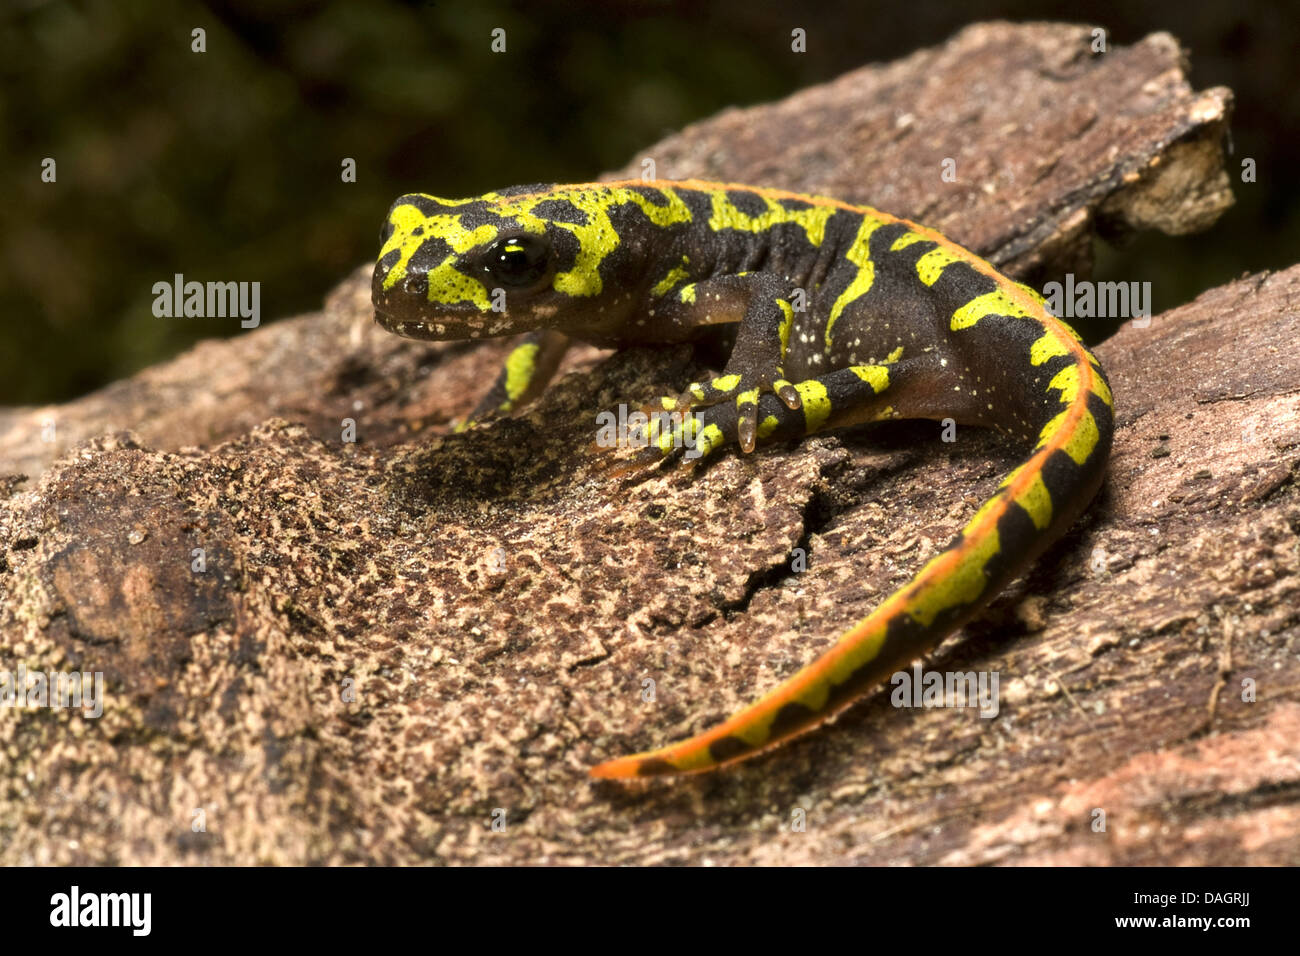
[226, 164]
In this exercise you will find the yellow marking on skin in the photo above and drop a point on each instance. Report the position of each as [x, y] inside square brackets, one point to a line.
[688, 293]
[756, 733]
[709, 438]
[815, 696]
[767, 426]
[816, 404]
[905, 240]
[1035, 499]
[1082, 441]
[1037, 502]
[1101, 389]
[696, 389]
[447, 285]
[787, 322]
[694, 760]
[680, 434]
[747, 398]
[675, 275]
[996, 302]
[724, 384]
[877, 376]
[1066, 381]
[452, 286]
[597, 238]
[993, 504]
[966, 581]
[860, 255]
[676, 210]
[727, 216]
[862, 652]
[669, 403]
[931, 264]
[1046, 347]
[779, 384]
[521, 365]
[662, 423]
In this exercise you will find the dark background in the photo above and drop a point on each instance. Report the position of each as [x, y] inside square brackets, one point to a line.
[226, 165]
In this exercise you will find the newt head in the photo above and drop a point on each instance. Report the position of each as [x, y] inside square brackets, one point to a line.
[473, 268]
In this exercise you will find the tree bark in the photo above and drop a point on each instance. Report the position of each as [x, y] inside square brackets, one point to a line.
[396, 642]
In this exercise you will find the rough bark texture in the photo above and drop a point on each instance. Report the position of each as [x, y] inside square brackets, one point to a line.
[493, 601]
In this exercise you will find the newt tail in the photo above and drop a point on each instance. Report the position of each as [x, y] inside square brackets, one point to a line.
[1003, 538]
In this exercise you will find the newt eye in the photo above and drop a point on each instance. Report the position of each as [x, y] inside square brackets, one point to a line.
[518, 261]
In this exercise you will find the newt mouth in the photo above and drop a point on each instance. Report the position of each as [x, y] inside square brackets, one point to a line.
[422, 328]
[411, 330]
[386, 320]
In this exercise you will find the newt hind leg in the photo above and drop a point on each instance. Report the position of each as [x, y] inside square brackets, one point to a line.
[908, 388]
[677, 431]
[919, 387]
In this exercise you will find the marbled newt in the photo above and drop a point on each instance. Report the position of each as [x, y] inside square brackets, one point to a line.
[836, 315]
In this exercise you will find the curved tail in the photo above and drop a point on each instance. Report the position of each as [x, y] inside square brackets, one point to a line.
[1034, 505]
